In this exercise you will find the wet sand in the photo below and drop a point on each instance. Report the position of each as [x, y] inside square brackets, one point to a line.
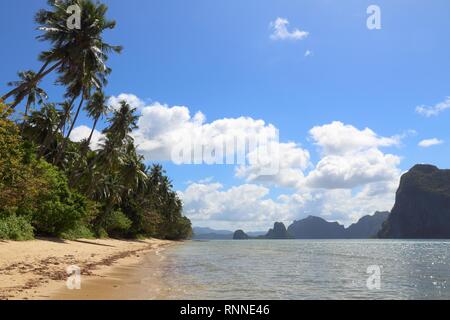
[110, 269]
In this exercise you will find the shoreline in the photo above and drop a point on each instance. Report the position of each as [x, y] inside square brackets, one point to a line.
[36, 270]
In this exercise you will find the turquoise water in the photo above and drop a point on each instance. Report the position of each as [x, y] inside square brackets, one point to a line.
[309, 269]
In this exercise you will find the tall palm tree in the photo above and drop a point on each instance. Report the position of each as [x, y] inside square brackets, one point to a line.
[33, 93]
[96, 109]
[70, 46]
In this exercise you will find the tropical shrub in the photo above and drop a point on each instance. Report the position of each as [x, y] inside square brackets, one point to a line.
[58, 208]
[16, 228]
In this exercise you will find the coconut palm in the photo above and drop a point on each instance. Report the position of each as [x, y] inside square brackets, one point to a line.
[33, 93]
[96, 109]
[123, 122]
[132, 171]
[70, 46]
[81, 85]
[43, 125]
[66, 109]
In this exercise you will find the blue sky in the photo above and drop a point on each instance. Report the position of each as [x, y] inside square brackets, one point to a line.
[218, 57]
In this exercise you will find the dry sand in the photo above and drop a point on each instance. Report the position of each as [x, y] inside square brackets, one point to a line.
[110, 269]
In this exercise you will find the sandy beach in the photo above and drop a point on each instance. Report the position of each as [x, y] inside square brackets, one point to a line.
[110, 269]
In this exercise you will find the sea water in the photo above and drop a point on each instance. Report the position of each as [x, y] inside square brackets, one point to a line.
[309, 269]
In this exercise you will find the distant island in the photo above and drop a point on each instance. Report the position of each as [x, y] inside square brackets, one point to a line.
[201, 233]
[317, 228]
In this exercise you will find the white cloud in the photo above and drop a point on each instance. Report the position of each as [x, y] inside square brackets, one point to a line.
[163, 128]
[337, 138]
[430, 142]
[82, 132]
[291, 161]
[353, 170]
[435, 110]
[308, 53]
[131, 99]
[280, 31]
[244, 206]
[351, 157]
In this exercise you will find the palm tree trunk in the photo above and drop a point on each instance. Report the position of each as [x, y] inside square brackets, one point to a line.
[76, 117]
[92, 131]
[15, 104]
[74, 180]
[45, 145]
[62, 125]
[42, 73]
[27, 108]
[63, 146]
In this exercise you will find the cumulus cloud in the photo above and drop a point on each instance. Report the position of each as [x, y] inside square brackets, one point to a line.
[351, 157]
[163, 130]
[337, 138]
[290, 159]
[246, 205]
[430, 142]
[280, 31]
[430, 111]
[82, 133]
[131, 99]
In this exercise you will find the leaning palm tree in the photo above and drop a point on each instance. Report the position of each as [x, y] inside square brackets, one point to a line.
[70, 46]
[81, 84]
[33, 93]
[96, 109]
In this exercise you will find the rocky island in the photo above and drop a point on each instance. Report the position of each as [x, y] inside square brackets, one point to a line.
[422, 205]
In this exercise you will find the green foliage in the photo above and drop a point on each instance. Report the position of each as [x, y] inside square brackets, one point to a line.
[16, 228]
[116, 223]
[58, 209]
[79, 231]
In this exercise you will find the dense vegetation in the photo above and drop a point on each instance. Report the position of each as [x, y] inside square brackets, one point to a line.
[52, 186]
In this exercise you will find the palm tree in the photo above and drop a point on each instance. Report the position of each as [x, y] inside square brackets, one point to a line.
[96, 108]
[123, 122]
[33, 92]
[44, 127]
[66, 109]
[70, 47]
[117, 155]
[81, 85]
[132, 171]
